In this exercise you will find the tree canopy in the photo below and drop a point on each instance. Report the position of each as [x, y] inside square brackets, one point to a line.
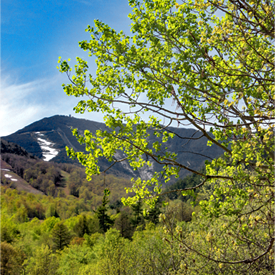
[205, 64]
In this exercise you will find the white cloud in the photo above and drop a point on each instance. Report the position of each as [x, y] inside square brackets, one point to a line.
[15, 110]
[24, 103]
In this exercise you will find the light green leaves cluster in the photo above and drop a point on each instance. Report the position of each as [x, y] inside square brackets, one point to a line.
[185, 64]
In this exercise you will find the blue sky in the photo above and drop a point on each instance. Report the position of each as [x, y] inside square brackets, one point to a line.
[33, 35]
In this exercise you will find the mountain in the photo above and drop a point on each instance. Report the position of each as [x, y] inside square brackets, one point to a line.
[13, 148]
[47, 138]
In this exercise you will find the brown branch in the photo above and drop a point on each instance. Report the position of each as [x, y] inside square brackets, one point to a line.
[116, 161]
[246, 261]
[185, 189]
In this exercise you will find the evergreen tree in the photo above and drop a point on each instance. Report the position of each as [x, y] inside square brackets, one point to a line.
[153, 213]
[60, 236]
[105, 222]
[82, 227]
[123, 225]
[138, 218]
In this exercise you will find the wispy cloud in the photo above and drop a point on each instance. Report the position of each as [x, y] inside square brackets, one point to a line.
[23, 103]
[15, 110]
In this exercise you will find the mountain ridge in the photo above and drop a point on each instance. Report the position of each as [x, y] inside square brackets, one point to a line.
[47, 138]
[13, 148]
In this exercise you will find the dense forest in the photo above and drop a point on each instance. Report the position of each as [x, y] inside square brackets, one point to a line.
[62, 179]
[70, 231]
[80, 227]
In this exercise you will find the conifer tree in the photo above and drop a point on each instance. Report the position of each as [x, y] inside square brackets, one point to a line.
[123, 225]
[138, 218]
[105, 222]
[153, 213]
[60, 236]
[82, 227]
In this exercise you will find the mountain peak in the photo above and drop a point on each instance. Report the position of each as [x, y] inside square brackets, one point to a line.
[48, 137]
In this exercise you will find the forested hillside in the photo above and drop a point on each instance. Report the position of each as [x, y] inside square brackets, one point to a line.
[58, 225]
[58, 180]
[46, 235]
[13, 148]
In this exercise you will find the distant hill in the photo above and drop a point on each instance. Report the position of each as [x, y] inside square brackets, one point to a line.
[48, 137]
[13, 148]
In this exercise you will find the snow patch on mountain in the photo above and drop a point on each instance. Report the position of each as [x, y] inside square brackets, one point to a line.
[9, 176]
[48, 151]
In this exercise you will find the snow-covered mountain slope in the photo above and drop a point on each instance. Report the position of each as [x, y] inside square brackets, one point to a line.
[47, 147]
[47, 139]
